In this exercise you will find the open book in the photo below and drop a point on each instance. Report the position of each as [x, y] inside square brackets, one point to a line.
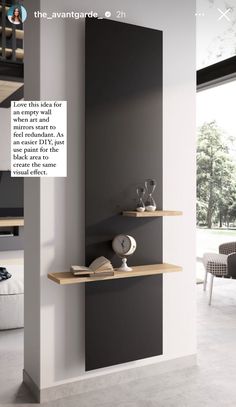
[101, 266]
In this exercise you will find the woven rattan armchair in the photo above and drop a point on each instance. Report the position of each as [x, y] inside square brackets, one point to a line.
[220, 265]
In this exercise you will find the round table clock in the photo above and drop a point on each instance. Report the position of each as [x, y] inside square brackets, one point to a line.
[123, 246]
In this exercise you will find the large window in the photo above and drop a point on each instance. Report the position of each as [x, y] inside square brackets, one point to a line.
[216, 167]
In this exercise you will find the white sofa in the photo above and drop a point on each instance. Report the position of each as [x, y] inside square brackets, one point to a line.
[12, 299]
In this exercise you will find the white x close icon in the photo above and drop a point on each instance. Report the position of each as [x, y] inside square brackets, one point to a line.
[224, 14]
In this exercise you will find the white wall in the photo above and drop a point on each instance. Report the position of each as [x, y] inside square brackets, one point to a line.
[11, 256]
[62, 200]
[32, 210]
[5, 139]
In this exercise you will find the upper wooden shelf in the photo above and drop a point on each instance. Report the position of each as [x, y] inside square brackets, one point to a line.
[8, 222]
[138, 271]
[155, 214]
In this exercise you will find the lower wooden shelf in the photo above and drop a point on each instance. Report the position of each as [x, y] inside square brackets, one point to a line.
[155, 214]
[138, 271]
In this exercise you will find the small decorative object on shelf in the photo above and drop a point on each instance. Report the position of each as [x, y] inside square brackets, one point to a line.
[150, 204]
[140, 204]
[123, 246]
[100, 267]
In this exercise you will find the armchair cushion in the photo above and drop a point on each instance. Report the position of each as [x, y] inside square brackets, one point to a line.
[216, 264]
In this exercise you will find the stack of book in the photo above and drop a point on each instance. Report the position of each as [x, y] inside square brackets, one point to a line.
[100, 267]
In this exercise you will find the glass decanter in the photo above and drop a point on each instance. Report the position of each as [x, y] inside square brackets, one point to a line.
[150, 204]
[140, 205]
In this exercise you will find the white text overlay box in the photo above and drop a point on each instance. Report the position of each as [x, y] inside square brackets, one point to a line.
[38, 138]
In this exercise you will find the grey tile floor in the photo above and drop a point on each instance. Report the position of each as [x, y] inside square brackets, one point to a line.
[210, 383]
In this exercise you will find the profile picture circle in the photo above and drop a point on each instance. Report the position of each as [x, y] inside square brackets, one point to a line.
[17, 14]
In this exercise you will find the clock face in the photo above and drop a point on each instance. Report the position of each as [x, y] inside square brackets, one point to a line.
[124, 245]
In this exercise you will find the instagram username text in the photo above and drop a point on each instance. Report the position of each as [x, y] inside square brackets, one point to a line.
[76, 15]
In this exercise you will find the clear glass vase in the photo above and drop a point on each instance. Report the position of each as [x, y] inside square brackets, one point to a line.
[150, 204]
[140, 204]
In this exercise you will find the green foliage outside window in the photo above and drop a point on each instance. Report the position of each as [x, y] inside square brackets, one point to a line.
[216, 178]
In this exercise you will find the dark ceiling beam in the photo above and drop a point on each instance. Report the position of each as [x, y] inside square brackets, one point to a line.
[217, 73]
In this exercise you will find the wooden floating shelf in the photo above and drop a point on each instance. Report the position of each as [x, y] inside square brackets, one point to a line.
[11, 222]
[138, 271]
[155, 214]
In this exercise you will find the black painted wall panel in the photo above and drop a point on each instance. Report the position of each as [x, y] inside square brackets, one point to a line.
[123, 148]
[126, 320]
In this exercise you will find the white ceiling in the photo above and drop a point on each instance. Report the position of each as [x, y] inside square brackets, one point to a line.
[216, 33]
